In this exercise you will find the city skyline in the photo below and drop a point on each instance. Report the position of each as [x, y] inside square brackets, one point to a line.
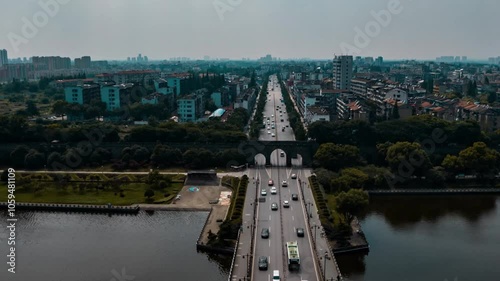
[230, 29]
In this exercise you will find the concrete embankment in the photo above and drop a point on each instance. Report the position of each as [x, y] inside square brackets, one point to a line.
[73, 208]
[458, 191]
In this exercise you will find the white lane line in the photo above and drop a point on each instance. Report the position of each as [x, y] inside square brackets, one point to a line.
[269, 243]
[293, 220]
[269, 217]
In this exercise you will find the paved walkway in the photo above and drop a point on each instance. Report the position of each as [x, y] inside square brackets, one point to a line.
[322, 245]
[244, 251]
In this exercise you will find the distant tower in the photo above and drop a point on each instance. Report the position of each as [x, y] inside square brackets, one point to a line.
[3, 58]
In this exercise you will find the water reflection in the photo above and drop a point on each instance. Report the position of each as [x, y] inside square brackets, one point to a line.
[402, 211]
[428, 238]
[74, 247]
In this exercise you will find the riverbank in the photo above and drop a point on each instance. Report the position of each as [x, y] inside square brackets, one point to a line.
[454, 191]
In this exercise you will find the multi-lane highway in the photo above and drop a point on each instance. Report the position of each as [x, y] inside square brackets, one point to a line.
[283, 222]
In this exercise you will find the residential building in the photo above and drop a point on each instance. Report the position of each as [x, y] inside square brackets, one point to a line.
[360, 86]
[162, 87]
[316, 113]
[4, 60]
[152, 99]
[247, 100]
[82, 94]
[83, 62]
[342, 72]
[144, 77]
[190, 108]
[51, 63]
[114, 96]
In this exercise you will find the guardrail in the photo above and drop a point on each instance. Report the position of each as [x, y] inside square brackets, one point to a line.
[230, 278]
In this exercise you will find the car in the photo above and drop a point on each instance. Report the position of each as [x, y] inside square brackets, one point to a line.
[282, 154]
[263, 263]
[263, 192]
[276, 275]
[282, 120]
[272, 115]
[284, 184]
[274, 206]
[300, 232]
[294, 176]
[295, 197]
[286, 204]
[272, 127]
[268, 127]
[268, 132]
[265, 233]
[273, 190]
[270, 182]
[273, 135]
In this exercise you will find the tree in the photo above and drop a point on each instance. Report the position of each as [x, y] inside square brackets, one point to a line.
[334, 157]
[149, 193]
[350, 178]
[492, 97]
[18, 155]
[34, 160]
[452, 165]
[480, 159]
[395, 111]
[31, 108]
[351, 203]
[408, 159]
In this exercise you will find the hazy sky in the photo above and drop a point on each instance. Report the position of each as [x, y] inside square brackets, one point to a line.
[117, 29]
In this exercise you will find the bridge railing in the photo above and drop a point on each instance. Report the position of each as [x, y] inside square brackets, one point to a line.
[230, 278]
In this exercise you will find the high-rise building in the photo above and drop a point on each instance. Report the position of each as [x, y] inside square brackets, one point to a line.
[51, 63]
[3, 58]
[342, 72]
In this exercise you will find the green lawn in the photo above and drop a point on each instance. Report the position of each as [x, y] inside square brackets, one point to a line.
[51, 193]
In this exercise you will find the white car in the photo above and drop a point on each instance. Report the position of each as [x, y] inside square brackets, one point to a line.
[272, 115]
[273, 190]
[284, 184]
[286, 204]
[273, 135]
[294, 176]
[269, 132]
[263, 192]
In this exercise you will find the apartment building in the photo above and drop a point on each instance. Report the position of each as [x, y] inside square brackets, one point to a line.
[190, 108]
[342, 72]
[82, 94]
[115, 96]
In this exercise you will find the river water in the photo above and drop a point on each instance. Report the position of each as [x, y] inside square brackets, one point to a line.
[454, 238]
[411, 239]
[92, 247]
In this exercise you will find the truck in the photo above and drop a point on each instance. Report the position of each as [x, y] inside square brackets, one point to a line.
[293, 256]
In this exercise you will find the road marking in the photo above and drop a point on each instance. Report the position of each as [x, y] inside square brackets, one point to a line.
[269, 218]
[269, 243]
[293, 220]
[247, 214]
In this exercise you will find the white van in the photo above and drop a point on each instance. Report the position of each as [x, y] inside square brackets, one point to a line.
[276, 275]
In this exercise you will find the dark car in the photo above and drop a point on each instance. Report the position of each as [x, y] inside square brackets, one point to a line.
[264, 233]
[295, 197]
[274, 206]
[300, 232]
[263, 263]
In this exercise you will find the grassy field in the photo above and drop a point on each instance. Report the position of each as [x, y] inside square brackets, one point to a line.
[36, 191]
